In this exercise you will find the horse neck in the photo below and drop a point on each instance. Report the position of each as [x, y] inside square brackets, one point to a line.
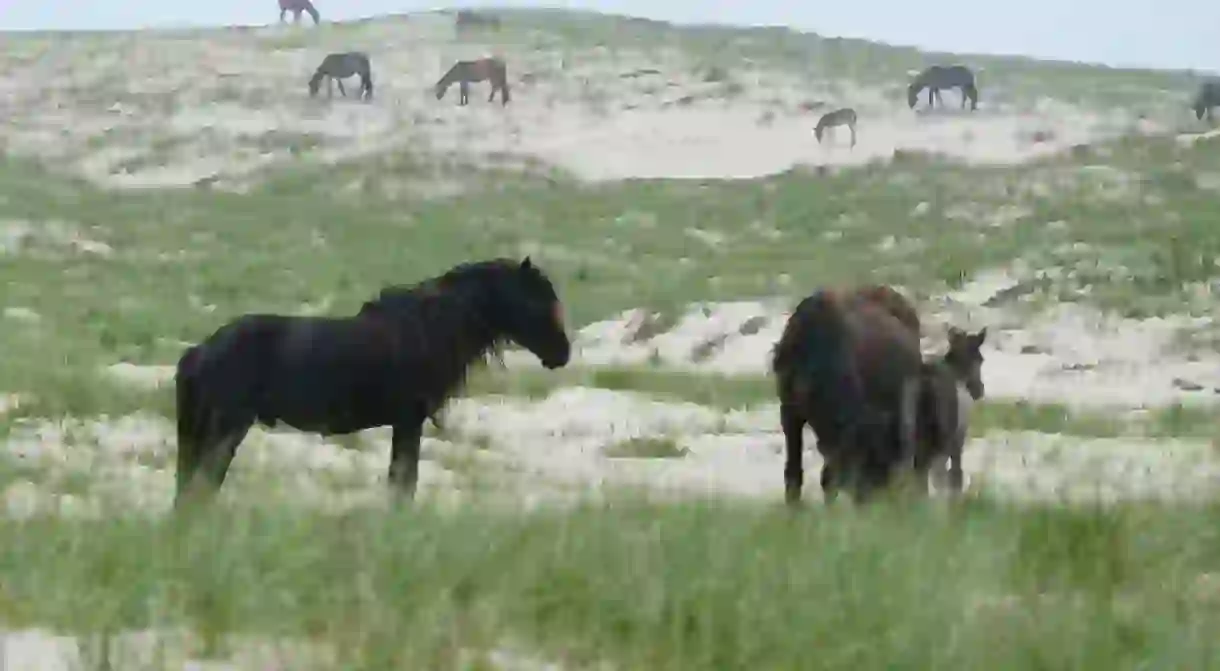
[450, 76]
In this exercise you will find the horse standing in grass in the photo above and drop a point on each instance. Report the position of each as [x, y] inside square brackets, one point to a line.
[939, 77]
[298, 6]
[492, 70]
[1207, 98]
[337, 67]
[394, 363]
[840, 117]
[949, 387]
[848, 367]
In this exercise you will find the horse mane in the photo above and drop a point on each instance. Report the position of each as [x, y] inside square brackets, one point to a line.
[440, 325]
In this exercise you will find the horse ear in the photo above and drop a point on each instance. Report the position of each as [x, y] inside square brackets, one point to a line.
[980, 337]
[527, 264]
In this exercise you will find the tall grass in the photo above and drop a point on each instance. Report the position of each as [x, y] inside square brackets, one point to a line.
[698, 585]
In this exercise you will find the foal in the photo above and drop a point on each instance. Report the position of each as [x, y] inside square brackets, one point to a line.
[840, 117]
[949, 387]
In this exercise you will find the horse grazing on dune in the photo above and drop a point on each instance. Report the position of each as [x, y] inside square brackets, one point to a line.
[949, 387]
[840, 117]
[939, 77]
[467, 18]
[1207, 98]
[298, 6]
[492, 70]
[337, 67]
[848, 367]
[394, 363]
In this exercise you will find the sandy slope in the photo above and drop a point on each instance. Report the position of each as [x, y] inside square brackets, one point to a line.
[159, 109]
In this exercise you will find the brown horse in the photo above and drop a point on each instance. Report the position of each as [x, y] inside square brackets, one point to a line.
[298, 6]
[850, 368]
[484, 69]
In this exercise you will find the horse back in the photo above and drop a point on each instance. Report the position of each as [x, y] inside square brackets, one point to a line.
[892, 301]
[885, 350]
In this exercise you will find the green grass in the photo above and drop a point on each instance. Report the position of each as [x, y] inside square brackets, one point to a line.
[696, 585]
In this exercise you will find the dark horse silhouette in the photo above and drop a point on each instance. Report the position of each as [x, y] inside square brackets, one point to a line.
[1207, 98]
[492, 70]
[298, 6]
[467, 18]
[337, 67]
[939, 77]
[849, 367]
[394, 363]
[948, 387]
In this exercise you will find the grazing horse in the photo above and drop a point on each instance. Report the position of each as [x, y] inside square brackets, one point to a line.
[840, 117]
[298, 6]
[939, 77]
[491, 70]
[1207, 98]
[848, 367]
[949, 387]
[471, 19]
[394, 363]
[337, 67]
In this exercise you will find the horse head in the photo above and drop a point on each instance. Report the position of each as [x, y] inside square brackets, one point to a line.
[966, 359]
[528, 311]
[913, 93]
[315, 82]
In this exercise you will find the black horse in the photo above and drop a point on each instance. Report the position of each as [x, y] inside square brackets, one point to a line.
[1207, 98]
[394, 363]
[337, 67]
[849, 367]
[939, 77]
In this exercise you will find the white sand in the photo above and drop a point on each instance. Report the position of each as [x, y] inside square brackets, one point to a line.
[150, 110]
[1070, 354]
[530, 452]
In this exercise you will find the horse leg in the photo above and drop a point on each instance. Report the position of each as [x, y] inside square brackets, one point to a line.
[464, 92]
[852, 128]
[404, 455]
[341, 91]
[282, 13]
[829, 480]
[793, 424]
[203, 466]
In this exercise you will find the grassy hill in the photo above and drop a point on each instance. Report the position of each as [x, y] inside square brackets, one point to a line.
[155, 184]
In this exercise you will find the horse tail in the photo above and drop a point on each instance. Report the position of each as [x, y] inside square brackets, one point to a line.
[816, 346]
[191, 414]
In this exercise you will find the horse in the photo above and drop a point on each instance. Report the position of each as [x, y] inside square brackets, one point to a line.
[840, 117]
[492, 70]
[1207, 98]
[394, 363]
[939, 77]
[848, 367]
[470, 19]
[949, 387]
[339, 66]
[298, 6]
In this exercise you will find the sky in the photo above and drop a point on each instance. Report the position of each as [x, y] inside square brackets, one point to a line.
[1136, 33]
